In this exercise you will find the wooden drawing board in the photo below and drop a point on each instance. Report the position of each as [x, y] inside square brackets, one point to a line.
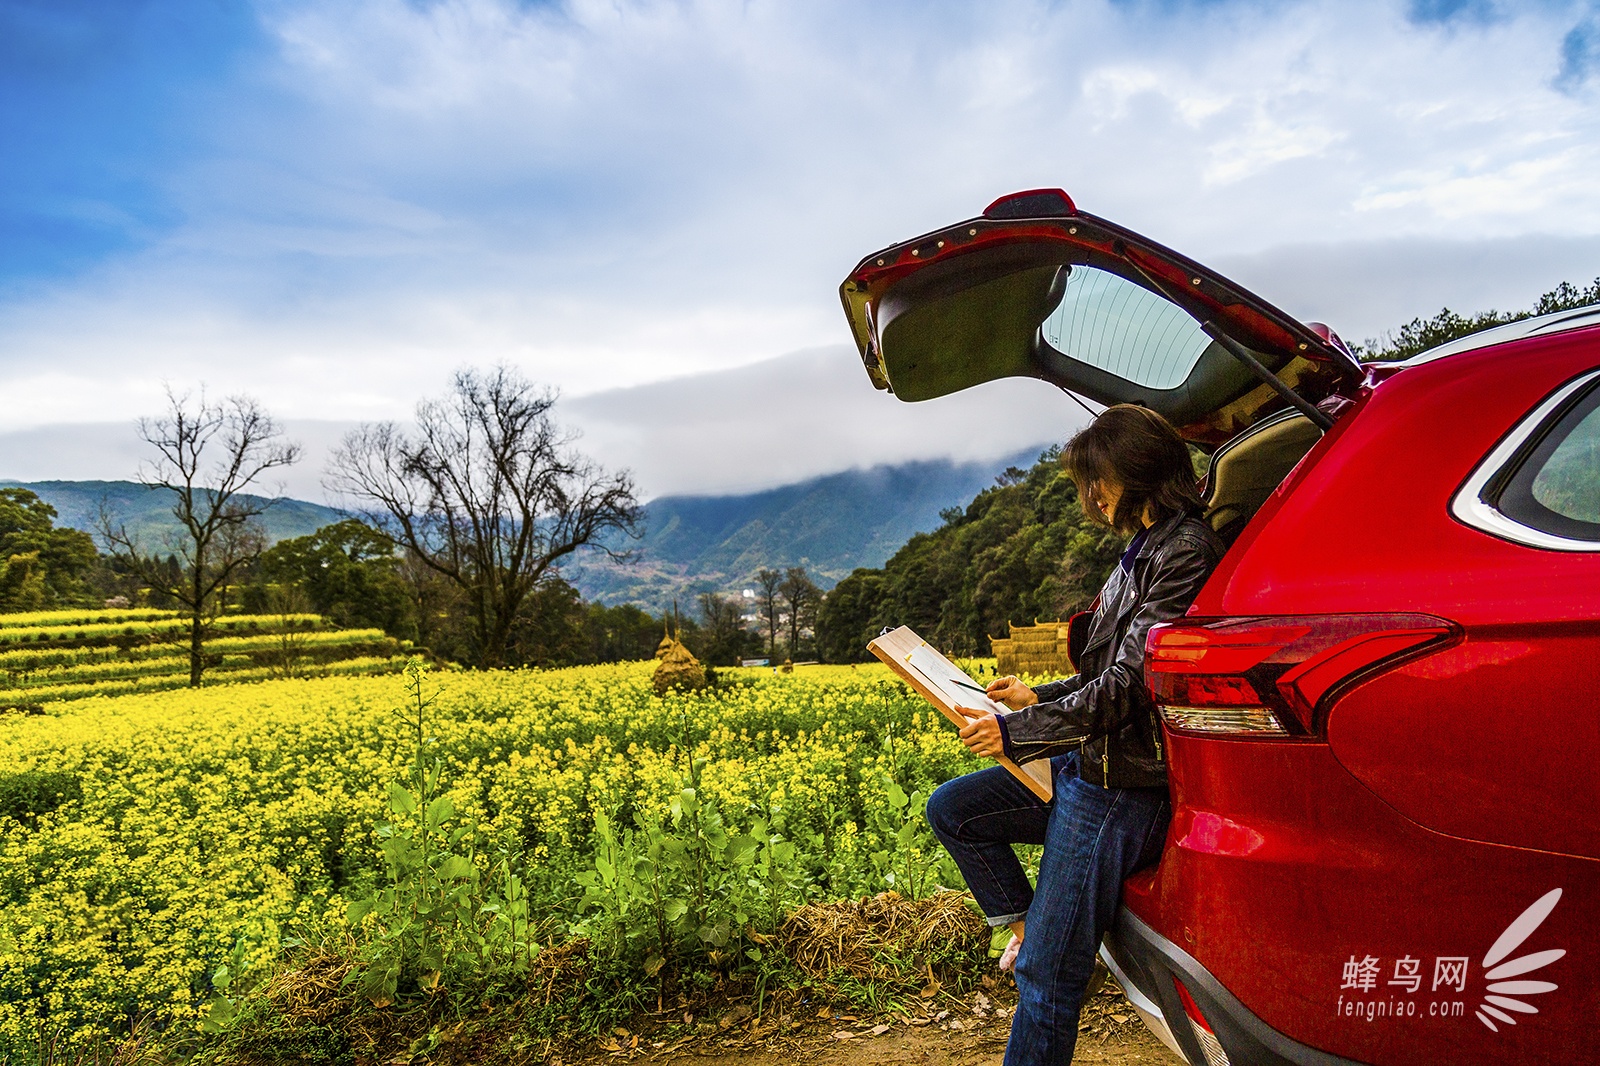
[943, 684]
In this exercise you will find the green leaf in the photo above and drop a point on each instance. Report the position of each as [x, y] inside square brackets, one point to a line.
[674, 909]
[897, 796]
[401, 801]
[457, 868]
[741, 849]
[440, 811]
[753, 954]
[358, 910]
[219, 1014]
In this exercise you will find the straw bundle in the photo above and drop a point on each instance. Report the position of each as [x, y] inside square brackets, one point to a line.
[876, 937]
[314, 991]
[1036, 650]
[678, 669]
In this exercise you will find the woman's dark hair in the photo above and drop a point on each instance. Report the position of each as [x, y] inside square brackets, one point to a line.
[1138, 449]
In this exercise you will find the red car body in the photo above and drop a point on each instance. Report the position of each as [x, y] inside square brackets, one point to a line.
[1384, 847]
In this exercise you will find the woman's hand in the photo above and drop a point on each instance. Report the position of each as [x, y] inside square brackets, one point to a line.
[981, 734]
[1011, 692]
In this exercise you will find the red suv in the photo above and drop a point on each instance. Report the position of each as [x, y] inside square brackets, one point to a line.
[1381, 713]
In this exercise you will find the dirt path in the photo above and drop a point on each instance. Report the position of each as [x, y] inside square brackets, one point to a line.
[947, 1033]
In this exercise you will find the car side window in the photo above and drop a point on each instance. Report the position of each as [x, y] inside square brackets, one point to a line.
[1124, 329]
[1556, 486]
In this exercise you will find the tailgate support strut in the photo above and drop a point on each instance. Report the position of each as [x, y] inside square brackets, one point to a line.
[1241, 353]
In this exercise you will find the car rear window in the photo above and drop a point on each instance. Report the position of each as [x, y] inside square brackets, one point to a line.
[1124, 329]
[1556, 488]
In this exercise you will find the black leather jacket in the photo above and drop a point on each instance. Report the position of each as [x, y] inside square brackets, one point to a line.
[1105, 709]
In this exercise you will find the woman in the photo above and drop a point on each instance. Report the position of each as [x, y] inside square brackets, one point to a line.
[1100, 731]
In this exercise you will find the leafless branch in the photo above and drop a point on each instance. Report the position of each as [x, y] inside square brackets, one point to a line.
[207, 455]
[488, 492]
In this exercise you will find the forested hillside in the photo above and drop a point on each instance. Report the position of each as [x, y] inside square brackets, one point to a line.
[147, 512]
[1021, 550]
[690, 545]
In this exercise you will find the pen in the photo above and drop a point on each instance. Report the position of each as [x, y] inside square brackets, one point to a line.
[968, 684]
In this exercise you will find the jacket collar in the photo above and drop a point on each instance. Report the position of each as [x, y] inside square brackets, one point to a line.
[1159, 533]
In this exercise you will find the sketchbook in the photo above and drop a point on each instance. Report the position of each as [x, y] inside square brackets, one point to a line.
[946, 686]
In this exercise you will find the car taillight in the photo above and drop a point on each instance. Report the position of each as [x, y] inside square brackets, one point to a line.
[1275, 677]
[1209, 1044]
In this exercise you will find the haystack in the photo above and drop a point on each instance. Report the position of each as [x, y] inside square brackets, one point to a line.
[1039, 650]
[876, 937]
[678, 669]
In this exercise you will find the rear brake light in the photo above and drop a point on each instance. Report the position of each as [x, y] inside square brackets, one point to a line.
[1209, 1044]
[1275, 676]
[1032, 203]
[1225, 720]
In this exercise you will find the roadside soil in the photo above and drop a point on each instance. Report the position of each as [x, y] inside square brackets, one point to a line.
[942, 1031]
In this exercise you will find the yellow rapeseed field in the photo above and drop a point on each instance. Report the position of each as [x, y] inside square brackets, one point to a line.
[145, 838]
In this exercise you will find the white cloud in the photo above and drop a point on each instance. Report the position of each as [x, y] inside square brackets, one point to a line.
[613, 192]
[800, 415]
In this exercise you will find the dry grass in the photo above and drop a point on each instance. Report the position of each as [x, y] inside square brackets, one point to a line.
[678, 669]
[876, 937]
[559, 972]
[314, 990]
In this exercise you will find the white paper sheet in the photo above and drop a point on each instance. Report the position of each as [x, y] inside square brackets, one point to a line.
[950, 680]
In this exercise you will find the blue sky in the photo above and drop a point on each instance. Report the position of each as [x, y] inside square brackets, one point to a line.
[333, 205]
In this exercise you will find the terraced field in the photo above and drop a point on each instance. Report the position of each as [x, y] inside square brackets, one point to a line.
[64, 655]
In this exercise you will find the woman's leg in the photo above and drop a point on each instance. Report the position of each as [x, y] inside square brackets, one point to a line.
[1097, 838]
[977, 818]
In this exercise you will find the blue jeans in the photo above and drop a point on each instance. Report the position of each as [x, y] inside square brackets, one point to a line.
[1094, 838]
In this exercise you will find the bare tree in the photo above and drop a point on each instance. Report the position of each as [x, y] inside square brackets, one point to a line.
[290, 603]
[207, 454]
[722, 629]
[800, 597]
[768, 582]
[488, 493]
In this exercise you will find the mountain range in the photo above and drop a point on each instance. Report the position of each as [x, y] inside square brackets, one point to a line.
[830, 525]
[146, 513]
[688, 544]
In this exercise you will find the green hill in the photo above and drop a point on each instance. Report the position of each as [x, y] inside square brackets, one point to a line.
[148, 512]
[831, 525]
[691, 544]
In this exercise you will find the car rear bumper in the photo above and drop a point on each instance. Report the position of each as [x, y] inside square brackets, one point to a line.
[1146, 964]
